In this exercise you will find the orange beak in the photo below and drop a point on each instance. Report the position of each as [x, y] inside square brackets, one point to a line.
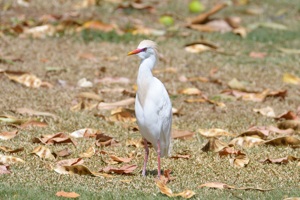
[135, 52]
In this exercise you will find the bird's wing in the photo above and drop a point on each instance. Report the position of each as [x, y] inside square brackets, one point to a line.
[158, 114]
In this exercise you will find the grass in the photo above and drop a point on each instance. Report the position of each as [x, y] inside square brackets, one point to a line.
[34, 180]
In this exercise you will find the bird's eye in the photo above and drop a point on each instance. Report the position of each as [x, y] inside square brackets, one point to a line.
[144, 49]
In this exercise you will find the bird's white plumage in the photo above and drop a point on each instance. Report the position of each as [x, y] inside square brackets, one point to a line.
[153, 107]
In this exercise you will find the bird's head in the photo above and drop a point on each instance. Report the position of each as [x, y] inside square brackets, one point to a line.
[145, 49]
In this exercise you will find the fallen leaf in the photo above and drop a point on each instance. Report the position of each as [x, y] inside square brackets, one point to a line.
[88, 153]
[230, 151]
[112, 80]
[105, 140]
[4, 169]
[218, 185]
[254, 54]
[31, 112]
[126, 169]
[190, 91]
[10, 150]
[165, 70]
[138, 5]
[11, 119]
[57, 138]
[29, 80]
[63, 153]
[123, 115]
[8, 135]
[215, 132]
[182, 134]
[97, 25]
[289, 51]
[283, 160]
[181, 156]
[108, 106]
[285, 141]
[267, 111]
[293, 124]
[88, 56]
[214, 145]
[138, 143]
[239, 161]
[289, 115]
[67, 194]
[77, 169]
[85, 132]
[241, 31]
[84, 83]
[167, 191]
[43, 152]
[41, 32]
[90, 95]
[166, 177]
[31, 123]
[120, 159]
[10, 160]
[70, 162]
[291, 79]
[247, 141]
[199, 47]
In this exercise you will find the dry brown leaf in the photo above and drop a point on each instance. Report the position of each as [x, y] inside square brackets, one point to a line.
[181, 156]
[289, 115]
[8, 135]
[230, 151]
[165, 70]
[67, 194]
[198, 100]
[203, 17]
[126, 169]
[138, 143]
[247, 141]
[285, 141]
[85, 132]
[291, 79]
[138, 5]
[10, 150]
[214, 145]
[283, 160]
[257, 54]
[88, 153]
[34, 123]
[292, 198]
[90, 95]
[112, 80]
[200, 46]
[167, 191]
[108, 106]
[77, 169]
[120, 159]
[293, 124]
[64, 152]
[256, 131]
[182, 134]
[123, 115]
[10, 160]
[29, 80]
[215, 132]
[97, 25]
[31, 112]
[267, 111]
[242, 31]
[4, 169]
[70, 162]
[166, 177]
[43, 152]
[218, 185]
[57, 138]
[105, 140]
[190, 91]
[239, 161]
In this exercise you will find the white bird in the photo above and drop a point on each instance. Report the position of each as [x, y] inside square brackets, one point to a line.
[153, 108]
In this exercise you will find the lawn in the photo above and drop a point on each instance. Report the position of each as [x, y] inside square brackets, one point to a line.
[62, 58]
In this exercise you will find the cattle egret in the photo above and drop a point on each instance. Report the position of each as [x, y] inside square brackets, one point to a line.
[153, 108]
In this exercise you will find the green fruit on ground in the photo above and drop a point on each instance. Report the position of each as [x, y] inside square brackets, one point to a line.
[196, 6]
[166, 20]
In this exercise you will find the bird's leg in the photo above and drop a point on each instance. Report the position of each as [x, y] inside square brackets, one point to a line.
[158, 158]
[146, 156]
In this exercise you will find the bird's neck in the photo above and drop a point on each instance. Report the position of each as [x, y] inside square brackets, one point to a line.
[145, 77]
